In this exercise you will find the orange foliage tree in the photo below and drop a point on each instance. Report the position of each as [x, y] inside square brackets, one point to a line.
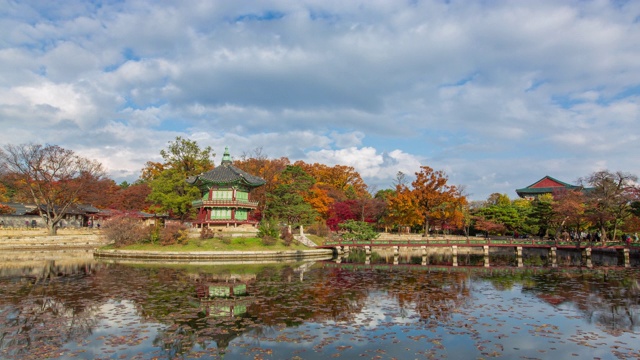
[569, 210]
[432, 194]
[4, 209]
[343, 178]
[402, 208]
[320, 200]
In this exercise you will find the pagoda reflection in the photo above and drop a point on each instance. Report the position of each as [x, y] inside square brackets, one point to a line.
[225, 295]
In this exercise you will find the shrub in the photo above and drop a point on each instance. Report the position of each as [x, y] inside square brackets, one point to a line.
[268, 241]
[268, 228]
[174, 234]
[123, 231]
[319, 229]
[206, 233]
[287, 237]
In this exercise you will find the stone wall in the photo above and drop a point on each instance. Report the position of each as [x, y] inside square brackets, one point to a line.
[25, 221]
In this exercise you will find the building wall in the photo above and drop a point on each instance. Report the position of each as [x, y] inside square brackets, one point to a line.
[22, 221]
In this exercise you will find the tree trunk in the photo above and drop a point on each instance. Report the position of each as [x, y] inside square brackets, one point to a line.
[53, 229]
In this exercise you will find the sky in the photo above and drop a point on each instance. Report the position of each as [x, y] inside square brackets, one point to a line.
[497, 94]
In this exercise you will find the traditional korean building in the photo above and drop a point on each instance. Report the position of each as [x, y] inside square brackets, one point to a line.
[225, 199]
[546, 185]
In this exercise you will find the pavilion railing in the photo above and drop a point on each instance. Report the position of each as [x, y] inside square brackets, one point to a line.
[231, 203]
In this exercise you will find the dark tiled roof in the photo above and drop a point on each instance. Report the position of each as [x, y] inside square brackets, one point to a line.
[226, 174]
[30, 209]
[88, 208]
[21, 209]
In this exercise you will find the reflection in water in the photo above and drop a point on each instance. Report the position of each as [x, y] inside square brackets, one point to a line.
[95, 310]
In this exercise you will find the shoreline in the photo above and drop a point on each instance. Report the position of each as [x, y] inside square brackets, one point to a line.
[236, 256]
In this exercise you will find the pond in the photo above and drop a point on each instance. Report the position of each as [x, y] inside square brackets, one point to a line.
[99, 310]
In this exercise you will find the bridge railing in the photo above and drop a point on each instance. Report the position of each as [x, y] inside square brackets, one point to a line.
[440, 241]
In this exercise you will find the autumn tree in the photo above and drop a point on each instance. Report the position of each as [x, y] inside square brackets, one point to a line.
[402, 208]
[609, 200]
[132, 197]
[4, 209]
[450, 215]
[341, 211]
[55, 178]
[431, 191]
[169, 190]
[100, 193]
[343, 178]
[318, 197]
[569, 210]
[488, 226]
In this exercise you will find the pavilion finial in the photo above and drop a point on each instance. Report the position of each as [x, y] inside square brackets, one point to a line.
[226, 158]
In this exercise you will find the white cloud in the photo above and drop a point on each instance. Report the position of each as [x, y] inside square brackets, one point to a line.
[498, 94]
[368, 162]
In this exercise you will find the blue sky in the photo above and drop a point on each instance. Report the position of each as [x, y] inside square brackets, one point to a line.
[497, 94]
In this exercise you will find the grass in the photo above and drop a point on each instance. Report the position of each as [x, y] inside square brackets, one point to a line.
[319, 240]
[217, 244]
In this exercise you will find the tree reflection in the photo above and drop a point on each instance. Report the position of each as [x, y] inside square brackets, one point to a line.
[208, 307]
[607, 298]
[39, 309]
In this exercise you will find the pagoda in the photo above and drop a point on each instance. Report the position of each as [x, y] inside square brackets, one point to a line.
[225, 199]
[546, 185]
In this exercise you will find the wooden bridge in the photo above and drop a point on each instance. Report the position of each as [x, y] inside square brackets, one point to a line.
[461, 241]
[397, 242]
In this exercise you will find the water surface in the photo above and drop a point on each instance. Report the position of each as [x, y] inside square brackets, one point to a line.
[316, 311]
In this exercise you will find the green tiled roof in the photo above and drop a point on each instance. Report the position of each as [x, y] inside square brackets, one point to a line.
[226, 174]
[530, 190]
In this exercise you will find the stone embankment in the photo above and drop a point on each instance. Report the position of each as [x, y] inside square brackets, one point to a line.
[38, 240]
[234, 256]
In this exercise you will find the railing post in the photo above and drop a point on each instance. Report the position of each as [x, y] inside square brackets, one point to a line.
[586, 254]
[454, 253]
[519, 256]
[486, 255]
[625, 257]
